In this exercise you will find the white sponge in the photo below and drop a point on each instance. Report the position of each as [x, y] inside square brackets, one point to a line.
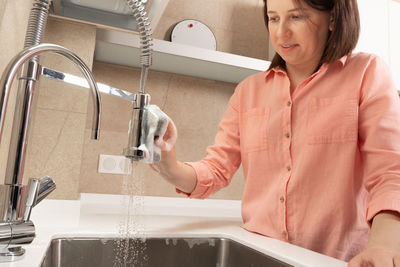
[154, 127]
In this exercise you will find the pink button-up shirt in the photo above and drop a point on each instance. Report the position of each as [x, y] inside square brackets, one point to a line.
[319, 163]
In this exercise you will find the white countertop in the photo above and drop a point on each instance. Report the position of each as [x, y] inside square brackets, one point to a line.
[101, 216]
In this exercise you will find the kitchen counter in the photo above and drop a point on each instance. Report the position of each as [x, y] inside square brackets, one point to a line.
[105, 215]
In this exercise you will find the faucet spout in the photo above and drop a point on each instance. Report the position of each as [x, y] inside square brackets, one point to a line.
[16, 162]
[16, 63]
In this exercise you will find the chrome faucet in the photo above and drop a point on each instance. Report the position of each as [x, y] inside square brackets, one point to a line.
[16, 199]
[141, 99]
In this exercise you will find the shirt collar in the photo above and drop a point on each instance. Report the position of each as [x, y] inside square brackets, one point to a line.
[275, 70]
[341, 61]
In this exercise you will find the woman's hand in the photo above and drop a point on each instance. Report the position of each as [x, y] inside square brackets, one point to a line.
[167, 141]
[376, 257]
[383, 249]
[179, 174]
[182, 176]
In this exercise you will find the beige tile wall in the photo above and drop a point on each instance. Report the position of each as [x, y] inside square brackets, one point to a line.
[2, 6]
[195, 105]
[238, 25]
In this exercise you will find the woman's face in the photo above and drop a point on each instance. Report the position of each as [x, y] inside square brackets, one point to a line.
[298, 33]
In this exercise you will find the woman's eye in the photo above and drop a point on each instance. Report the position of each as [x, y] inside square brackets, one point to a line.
[272, 19]
[297, 17]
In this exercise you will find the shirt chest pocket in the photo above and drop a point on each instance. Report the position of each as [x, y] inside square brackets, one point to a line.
[254, 129]
[332, 120]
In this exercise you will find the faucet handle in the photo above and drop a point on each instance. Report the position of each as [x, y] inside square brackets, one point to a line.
[37, 190]
[46, 186]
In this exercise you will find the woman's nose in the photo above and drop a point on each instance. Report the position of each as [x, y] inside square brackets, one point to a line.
[283, 29]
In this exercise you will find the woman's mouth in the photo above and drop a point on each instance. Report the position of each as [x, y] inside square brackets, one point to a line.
[288, 47]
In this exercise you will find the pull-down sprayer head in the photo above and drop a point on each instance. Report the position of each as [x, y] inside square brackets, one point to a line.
[134, 151]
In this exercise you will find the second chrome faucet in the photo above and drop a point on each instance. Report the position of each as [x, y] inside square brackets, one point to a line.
[16, 199]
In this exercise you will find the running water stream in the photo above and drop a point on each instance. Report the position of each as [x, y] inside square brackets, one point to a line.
[130, 247]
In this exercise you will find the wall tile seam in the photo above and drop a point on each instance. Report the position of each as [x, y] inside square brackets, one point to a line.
[165, 100]
[63, 110]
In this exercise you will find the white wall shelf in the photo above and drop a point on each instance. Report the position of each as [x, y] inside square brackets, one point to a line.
[123, 48]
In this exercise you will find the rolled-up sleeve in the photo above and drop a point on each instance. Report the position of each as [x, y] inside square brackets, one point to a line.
[379, 133]
[223, 158]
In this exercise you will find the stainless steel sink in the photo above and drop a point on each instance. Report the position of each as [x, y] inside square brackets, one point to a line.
[154, 252]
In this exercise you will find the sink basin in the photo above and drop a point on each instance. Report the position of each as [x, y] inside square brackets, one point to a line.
[154, 252]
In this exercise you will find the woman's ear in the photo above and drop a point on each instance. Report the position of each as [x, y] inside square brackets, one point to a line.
[331, 22]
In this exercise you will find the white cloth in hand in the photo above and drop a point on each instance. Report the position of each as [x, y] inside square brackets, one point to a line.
[158, 134]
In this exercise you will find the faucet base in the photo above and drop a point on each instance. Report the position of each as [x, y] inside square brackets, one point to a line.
[11, 254]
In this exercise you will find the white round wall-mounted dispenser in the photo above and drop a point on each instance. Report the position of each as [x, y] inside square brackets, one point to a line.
[193, 32]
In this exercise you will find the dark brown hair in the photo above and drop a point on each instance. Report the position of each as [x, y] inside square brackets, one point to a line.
[346, 28]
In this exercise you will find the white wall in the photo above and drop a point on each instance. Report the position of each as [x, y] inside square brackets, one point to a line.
[374, 36]
[380, 27]
[394, 40]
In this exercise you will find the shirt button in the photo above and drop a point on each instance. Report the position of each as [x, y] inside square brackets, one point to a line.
[282, 199]
[284, 233]
[287, 135]
[288, 168]
[289, 103]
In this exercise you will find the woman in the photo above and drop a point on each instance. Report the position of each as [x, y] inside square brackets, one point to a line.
[318, 136]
